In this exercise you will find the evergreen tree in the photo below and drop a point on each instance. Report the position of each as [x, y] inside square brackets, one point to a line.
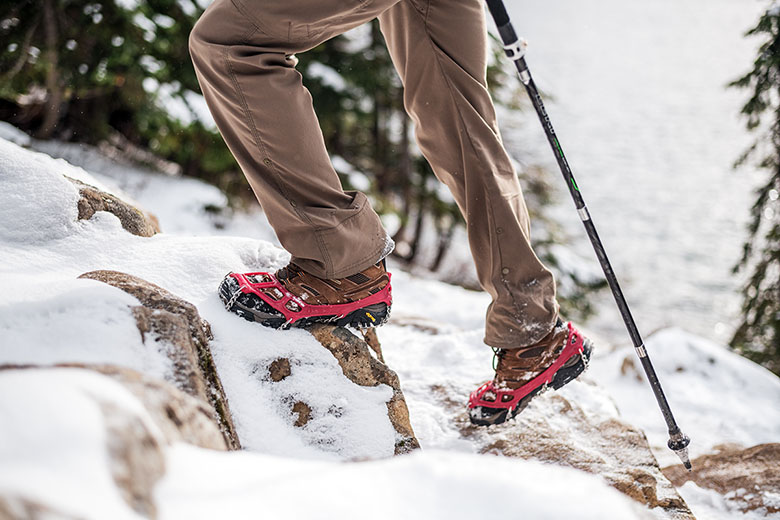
[107, 70]
[758, 336]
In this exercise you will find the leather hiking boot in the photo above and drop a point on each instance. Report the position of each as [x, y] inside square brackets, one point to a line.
[292, 297]
[525, 372]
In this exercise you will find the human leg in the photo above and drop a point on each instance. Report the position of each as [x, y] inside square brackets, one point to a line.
[243, 55]
[439, 49]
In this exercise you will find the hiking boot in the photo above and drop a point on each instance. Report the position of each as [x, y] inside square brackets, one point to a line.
[292, 297]
[523, 373]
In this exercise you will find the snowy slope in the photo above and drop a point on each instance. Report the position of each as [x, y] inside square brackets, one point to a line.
[48, 316]
[718, 396]
[44, 248]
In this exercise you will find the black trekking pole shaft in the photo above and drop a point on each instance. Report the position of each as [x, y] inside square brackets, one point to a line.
[678, 441]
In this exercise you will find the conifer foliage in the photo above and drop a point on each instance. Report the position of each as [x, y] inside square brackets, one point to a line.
[758, 336]
[95, 71]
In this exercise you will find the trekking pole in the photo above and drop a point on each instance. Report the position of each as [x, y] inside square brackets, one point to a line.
[515, 50]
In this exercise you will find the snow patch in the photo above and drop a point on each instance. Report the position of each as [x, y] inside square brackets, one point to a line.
[716, 395]
[328, 76]
[14, 135]
[39, 204]
[425, 485]
[54, 443]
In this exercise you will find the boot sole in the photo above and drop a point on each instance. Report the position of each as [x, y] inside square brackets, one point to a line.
[252, 308]
[563, 376]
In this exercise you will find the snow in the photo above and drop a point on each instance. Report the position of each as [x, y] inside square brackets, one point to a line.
[13, 134]
[717, 396]
[54, 444]
[65, 306]
[327, 76]
[33, 187]
[432, 484]
[726, 400]
[709, 504]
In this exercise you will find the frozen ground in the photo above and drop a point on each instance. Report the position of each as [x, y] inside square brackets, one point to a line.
[51, 445]
[717, 396]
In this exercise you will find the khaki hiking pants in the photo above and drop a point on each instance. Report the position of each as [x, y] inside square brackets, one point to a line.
[243, 54]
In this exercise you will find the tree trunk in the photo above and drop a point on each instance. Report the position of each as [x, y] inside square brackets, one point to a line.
[54, 89]
[417, 231]
[445, 240]
[405, 176]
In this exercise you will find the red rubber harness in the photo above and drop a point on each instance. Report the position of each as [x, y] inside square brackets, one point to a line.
[574, 345]
[294, 308]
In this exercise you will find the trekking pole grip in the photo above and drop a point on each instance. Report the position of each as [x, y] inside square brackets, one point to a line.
[514, 48]
[498, 11]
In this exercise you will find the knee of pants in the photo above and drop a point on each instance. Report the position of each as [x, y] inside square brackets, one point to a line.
[221, 24]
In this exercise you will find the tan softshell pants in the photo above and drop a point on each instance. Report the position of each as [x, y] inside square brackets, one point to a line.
[242, 51]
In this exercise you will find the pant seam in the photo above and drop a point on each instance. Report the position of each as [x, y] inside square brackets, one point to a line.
[515, 308]
[261, 147]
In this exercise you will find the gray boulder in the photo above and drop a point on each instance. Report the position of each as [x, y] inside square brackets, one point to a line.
[175, 326]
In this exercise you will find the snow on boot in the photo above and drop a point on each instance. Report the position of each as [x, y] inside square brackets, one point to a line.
[525, 372]
[292, 297]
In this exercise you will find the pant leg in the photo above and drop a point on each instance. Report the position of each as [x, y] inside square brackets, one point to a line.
[440, 50]
[242, 51]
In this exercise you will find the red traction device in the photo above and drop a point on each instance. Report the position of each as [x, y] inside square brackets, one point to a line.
[509, 399]
[266, 287]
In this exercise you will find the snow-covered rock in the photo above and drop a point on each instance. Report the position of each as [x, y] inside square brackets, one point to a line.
[178, 330]
[39, 204]
[84, 444]
[718, 396]
[134, 220]
[577, 427]
[166, 336]
[360, 367]
[748, 479]
[297, 412]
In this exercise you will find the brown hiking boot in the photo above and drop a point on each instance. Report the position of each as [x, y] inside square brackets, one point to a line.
[293, 297]
[516, 367]
[321, 291]
[523, 373]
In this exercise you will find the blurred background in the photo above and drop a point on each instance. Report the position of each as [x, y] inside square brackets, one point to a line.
[654, 104]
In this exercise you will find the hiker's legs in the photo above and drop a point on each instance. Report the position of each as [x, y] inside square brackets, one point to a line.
[242, 51]
[440, 50]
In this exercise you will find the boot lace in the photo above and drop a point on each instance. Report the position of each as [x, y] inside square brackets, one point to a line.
[288, 272]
